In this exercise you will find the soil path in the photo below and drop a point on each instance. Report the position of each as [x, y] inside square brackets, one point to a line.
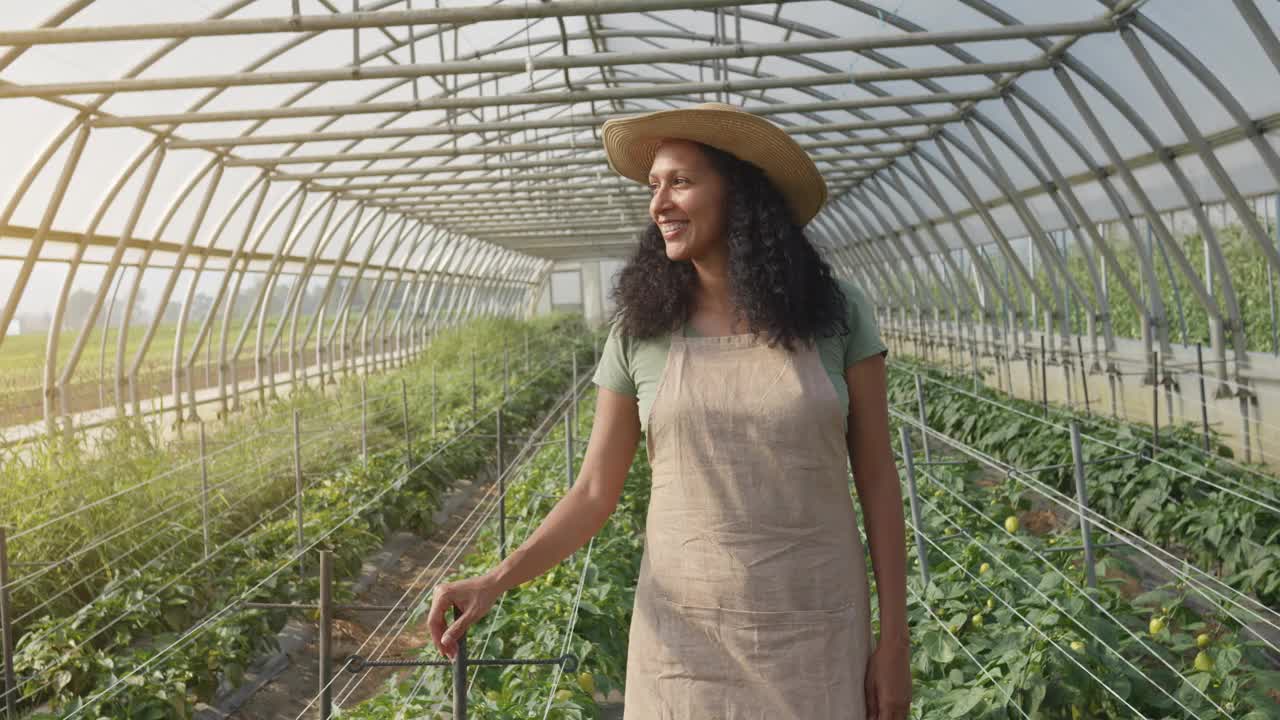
[417, 568]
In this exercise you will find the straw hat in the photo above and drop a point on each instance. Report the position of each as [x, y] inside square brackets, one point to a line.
[632, 142]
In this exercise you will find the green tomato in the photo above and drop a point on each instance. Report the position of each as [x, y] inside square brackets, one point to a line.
[1156, 625]
[1203, 662]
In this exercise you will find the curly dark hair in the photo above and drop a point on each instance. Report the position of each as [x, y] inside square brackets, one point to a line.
[778, 282]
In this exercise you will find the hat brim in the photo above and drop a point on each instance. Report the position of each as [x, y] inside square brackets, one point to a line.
[632, 142]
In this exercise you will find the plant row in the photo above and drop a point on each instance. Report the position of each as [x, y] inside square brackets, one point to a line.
[1206, 510]
[161, 638]
[534, 620]
[1006, 627]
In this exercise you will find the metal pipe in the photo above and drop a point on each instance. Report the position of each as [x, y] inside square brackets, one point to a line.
[293, 112]
[46, 222]
[917, 523]
[324, 648]
[512, 126]
[1082, 504]
[6, 630]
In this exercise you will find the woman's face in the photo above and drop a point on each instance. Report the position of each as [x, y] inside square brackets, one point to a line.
[688, 201]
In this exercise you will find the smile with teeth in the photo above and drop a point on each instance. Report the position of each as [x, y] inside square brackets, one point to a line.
[672, 228]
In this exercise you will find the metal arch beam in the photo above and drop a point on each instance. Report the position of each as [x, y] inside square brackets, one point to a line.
[54, 386]
[1136, 121]
[514, 67]
[205, 333]
[893, 238]
[721, 52]
[895, 182]
[42, 232]
[291, 24]
[925, 183]
[304, 111]
[513, 126]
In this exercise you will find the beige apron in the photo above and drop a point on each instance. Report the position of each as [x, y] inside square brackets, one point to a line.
[752, 600]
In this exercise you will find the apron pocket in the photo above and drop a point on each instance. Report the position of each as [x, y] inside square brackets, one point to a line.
[743, 665]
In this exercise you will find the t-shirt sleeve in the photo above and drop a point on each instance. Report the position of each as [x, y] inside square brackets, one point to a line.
[614, 370]
[863, 339]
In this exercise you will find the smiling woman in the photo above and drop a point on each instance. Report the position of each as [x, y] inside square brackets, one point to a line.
[756, 378]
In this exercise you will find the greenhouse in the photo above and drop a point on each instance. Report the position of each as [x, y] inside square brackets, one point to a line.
[306, 306]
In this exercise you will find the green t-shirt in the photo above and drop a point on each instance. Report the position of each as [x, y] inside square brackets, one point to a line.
[633, 367]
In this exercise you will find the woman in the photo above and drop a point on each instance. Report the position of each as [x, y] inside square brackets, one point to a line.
[756, 378]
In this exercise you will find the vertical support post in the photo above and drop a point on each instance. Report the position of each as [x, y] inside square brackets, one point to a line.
[297, 487]
[460, 675]
[364, 422]
[404, 415]
[433, 399]
[1155, 402]
[6, 630]
[568, 447]
[1082, 504]
[973, 359]
[325, 648]
[924, 422]
[506, 372]
[1084, 377]
[1204, 403]
[474, 400]
[1044, 378]
[204, 491]
[502, 491]
[907, 459]
[573, 391]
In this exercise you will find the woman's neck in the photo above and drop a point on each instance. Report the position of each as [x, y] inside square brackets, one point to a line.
[713, 309]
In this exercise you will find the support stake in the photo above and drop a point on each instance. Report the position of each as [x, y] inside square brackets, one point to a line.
[364, 422]
[297, 486]
[1084, 377]
[1044, 378]
[924, 422]
[1155, 403]
[6, 630]
[1204, 403]
[460, 674]
[1082, 504]
[502, 492]
[325, 647]
[568, 447]
[921, 552]
[404, 414]
[204, 491]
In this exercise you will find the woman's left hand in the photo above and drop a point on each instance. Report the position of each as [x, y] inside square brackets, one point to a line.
[888, 681]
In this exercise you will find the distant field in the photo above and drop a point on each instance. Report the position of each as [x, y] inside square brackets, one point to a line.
[22, 366]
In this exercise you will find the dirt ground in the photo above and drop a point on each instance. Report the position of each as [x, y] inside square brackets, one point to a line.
[417, 568]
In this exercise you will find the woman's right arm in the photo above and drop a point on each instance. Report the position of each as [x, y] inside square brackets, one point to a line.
[615, 434]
